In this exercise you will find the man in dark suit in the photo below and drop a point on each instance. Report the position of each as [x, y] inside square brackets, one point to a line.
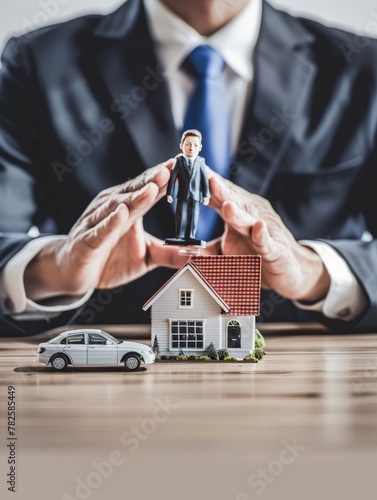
[91, 102]
[191, 174]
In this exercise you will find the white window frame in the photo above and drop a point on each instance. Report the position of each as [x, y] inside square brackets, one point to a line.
[181, 292]
[202, 321]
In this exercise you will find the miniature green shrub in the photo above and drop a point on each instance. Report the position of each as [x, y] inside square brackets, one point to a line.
[250, 359]
[203, 358]
[230, 358]
[181, 358]
[258, 353]
[158, 358]
[259, 340]
[222, 354]
[192, 358]
[211, 351]
[156, 347]
[163, 357]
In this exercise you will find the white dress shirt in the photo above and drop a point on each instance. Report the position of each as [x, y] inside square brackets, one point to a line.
[235, 42]
[174, 40]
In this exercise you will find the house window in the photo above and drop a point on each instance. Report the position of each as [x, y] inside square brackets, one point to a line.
[187, 334]
[234, 334]
[186, 298]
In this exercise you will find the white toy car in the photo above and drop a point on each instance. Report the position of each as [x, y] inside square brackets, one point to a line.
[93, 347]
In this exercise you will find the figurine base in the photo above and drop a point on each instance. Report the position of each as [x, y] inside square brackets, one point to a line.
[187, 247]
[185, 243]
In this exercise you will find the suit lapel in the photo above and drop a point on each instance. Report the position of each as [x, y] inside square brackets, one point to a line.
[280, 89]
[186, 165]
[132, 77]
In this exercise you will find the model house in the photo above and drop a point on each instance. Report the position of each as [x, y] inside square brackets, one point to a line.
[212, 299]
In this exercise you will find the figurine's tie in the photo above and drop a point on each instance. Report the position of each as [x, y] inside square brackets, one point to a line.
[206, 112]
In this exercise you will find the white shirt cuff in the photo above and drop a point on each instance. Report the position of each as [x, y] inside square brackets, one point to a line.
[13, 295]
[345, 299]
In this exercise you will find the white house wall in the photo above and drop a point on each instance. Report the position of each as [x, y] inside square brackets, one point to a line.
[205, 308]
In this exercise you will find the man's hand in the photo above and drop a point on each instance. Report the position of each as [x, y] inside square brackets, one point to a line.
[205, 201]
[253, 227]
[107, 246]
[169, 198]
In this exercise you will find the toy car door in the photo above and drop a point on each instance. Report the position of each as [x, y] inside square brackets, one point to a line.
[77, 349]
[101, 351]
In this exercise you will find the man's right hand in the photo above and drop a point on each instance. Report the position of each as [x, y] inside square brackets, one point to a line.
[107, 246]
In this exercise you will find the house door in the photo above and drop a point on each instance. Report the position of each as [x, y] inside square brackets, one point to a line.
[234, 334]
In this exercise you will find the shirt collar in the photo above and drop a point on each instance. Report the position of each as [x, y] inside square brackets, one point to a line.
[193, 158]
[175, 39]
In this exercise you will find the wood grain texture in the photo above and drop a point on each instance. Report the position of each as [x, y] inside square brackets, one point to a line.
[300, 424]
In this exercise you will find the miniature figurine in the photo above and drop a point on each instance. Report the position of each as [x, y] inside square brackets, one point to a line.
[93, 347]
[190, 172]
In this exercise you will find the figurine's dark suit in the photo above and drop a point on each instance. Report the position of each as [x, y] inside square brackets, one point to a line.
[84, 106]
[192, 184]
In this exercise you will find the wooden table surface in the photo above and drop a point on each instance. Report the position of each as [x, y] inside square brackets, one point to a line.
[301, 424]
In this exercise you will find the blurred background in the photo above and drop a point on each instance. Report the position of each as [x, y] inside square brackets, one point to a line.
[21, 16]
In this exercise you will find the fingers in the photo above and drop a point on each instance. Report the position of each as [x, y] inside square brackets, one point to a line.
[253, 229]
[160, 255]
[158, 175]
[137, 202]
[138, 194]
[223, 190]
[99, 240]
[213, 247]
[219, 190]
[237, 218]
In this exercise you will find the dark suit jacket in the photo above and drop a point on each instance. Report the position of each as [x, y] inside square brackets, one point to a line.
[83, 106]
[190, 186]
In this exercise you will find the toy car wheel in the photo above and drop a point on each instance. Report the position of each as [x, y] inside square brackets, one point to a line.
[59, 362]
[131, 362]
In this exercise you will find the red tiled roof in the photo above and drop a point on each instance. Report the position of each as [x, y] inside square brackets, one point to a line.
[236, 278]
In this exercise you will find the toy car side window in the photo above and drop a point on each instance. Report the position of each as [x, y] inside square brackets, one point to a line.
[95, 339]
[77, 339]
[64, 341]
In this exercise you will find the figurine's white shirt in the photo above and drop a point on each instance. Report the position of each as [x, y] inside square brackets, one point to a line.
[235, 42]
[193, 158]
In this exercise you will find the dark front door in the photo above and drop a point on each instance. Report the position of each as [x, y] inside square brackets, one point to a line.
[234, 336]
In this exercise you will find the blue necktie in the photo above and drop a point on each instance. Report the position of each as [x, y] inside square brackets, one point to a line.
[206, 112]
